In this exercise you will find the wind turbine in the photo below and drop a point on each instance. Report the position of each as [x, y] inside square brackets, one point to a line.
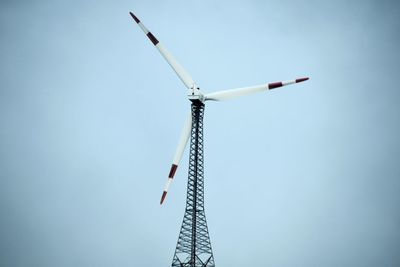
[194, 247]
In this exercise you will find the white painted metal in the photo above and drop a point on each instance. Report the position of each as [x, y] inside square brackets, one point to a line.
[167, 184]
[144, 29]
[183, 140]
[232, 93]
[179, 70]
[195, 94]
[288, 82]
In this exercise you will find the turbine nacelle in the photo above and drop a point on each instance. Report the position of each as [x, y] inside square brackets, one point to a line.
[195, 95]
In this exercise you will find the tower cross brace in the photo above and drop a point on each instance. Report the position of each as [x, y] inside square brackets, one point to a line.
[193, 248]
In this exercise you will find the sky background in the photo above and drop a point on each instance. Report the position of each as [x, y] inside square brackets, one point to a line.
[90, 115]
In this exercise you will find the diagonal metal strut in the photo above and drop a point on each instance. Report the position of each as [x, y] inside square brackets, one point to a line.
[193, 248]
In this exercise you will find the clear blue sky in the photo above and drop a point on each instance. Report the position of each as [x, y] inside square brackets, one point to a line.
[90, 114]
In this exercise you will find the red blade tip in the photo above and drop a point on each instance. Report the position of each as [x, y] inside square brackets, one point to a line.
[164, 194]
[301, 79]
[134, 17]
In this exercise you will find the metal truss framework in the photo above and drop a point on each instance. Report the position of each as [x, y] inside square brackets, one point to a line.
[194, 247]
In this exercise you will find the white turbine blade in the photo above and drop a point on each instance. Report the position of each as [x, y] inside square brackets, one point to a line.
[232, 93]
[178, 154]
[179, 70]
[228, 94]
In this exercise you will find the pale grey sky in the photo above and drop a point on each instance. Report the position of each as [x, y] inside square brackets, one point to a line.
[90, 115]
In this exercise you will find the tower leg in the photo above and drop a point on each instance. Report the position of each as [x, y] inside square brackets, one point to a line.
[194, 247]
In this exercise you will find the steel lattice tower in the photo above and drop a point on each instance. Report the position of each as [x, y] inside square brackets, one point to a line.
[194, 247]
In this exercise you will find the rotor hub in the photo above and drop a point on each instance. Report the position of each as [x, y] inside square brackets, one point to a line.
[195, 95]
